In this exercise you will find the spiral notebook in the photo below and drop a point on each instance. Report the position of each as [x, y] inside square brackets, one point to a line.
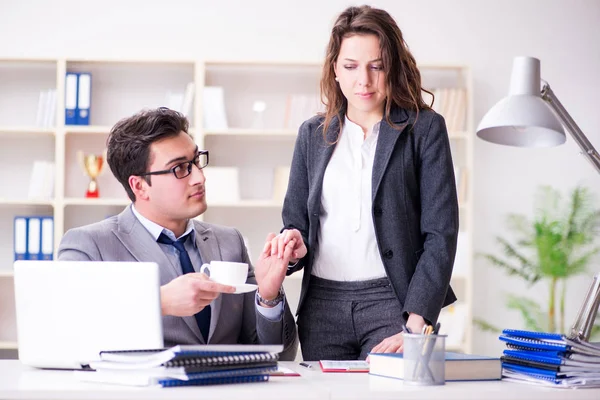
[182, 354]
[550, 359]
[208, 361]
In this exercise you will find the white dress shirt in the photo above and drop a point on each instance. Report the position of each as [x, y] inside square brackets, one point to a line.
[347, 245]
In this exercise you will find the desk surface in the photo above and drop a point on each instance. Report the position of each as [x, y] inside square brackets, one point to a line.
[21, 382]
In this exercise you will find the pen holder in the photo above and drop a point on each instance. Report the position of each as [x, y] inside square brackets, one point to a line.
[424, 359]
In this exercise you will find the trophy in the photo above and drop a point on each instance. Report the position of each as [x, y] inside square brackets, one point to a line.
[92, 165]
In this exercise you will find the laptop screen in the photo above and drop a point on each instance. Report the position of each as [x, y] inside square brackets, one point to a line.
[68, 311]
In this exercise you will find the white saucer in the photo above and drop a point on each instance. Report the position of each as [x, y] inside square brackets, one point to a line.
[244, 288]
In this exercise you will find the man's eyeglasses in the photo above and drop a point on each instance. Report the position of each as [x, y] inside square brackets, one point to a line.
[185, 168]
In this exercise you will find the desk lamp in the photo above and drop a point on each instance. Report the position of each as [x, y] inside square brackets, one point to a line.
[530, 117]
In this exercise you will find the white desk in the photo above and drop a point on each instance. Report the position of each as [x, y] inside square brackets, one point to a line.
[20, 382]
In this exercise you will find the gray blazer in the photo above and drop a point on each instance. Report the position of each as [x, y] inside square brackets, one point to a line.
[415, 207]
[124, 238]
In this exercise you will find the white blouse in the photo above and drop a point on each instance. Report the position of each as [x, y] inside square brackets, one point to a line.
[347, 246]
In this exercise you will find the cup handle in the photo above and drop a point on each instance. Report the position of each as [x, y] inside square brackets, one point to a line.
[205, 269]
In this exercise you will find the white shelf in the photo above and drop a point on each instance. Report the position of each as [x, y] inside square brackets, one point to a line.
[252, 132]
[73, 201]
[26, 130]
[6, 273]
[93, 129]
[247, 204]
[140, 61]
[8, 345]
[25, 202]
[87, 129]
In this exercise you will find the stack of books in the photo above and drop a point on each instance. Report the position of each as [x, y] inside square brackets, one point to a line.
[190, 365]
[550, 359]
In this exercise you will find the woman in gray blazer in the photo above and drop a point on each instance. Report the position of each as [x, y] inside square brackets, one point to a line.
[371, 199]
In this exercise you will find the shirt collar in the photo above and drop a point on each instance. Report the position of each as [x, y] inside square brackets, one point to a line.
[155, 229]
[352, 127]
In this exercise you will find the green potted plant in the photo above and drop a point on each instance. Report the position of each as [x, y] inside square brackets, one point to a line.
[557, 244]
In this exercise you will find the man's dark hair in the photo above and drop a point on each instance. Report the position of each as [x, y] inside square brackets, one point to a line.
[130, 139]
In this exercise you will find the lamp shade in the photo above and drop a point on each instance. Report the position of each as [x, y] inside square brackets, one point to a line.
[522, 118]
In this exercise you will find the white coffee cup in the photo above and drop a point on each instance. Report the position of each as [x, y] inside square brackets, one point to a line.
[226, 272]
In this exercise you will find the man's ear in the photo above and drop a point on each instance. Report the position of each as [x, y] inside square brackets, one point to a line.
[139, 186]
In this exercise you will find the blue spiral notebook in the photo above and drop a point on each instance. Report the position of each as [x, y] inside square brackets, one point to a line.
[550, 358]
[533, 335]
[214, 381]
[536, 344]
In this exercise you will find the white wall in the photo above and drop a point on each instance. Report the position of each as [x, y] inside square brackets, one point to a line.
[483, 34]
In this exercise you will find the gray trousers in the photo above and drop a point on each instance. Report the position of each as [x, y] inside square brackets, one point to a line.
[345, 320]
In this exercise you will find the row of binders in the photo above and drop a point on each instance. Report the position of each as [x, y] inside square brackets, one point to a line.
[34, 238]
[78, 92]
[550, 359]
[185, 365]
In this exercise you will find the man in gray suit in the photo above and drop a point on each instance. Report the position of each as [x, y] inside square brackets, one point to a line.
[160, 167]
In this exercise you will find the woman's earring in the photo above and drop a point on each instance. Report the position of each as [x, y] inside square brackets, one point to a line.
[337, 79]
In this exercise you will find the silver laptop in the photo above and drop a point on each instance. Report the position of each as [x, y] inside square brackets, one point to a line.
[68, 311]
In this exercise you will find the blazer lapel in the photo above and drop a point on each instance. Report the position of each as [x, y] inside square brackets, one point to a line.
[209, 251]
[385, 145]
[138, 241]
[143, 247]
[323, 152]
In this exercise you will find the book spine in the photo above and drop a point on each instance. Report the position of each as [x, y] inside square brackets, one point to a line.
[214, 381]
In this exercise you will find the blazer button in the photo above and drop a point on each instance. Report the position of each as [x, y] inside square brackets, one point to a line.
[377, 211]
[388, 254]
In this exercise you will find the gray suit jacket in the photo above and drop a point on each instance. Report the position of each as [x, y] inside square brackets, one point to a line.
[415, 206]
[124, 238]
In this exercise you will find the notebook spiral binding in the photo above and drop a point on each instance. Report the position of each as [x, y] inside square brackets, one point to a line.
[223, 360]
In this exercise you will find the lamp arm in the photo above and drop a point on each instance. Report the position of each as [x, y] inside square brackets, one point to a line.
[582, 141]
[584, 321]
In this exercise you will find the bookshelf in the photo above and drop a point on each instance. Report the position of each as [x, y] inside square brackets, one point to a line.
[254, 144]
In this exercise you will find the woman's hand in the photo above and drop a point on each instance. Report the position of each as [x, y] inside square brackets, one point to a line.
[277, 244]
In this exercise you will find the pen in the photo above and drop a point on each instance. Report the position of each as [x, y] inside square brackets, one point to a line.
[306, 365]
[406, 328]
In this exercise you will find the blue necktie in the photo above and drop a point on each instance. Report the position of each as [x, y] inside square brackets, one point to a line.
[203, 317]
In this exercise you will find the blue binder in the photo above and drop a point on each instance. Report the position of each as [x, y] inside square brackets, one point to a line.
[20, 238]
[34, 238]
[84, 98]
[71, 89]
[47, 238]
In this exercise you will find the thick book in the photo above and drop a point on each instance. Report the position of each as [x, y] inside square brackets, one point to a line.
[344, 366]
[458, 366]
